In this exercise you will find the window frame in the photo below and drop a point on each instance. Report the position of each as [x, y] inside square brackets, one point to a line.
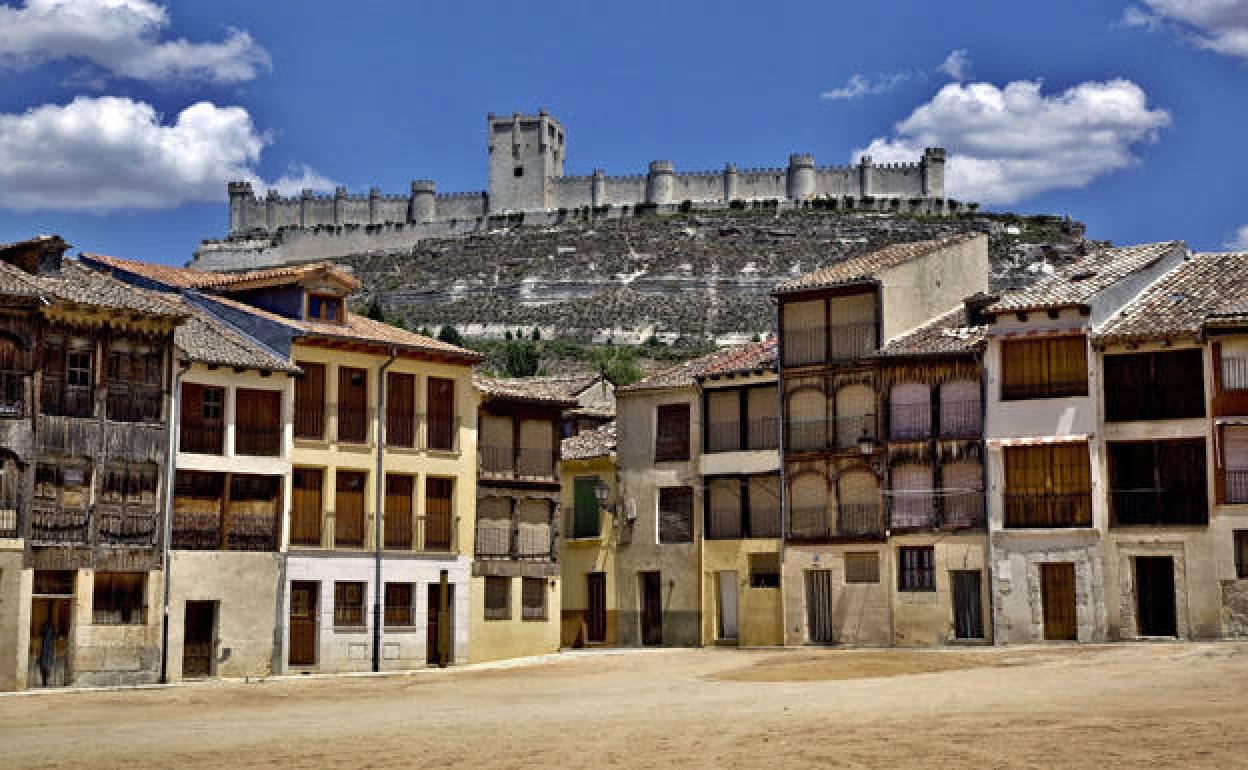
[109, 591]
[323, 301]
[671, 443]
[343, 609]
[528, 587]
[1016, 385]
[394, 605]
[496, 603]
[916, 574]
[680, 492]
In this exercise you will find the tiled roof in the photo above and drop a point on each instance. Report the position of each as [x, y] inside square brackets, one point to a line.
[180, 277]
[15, 281]
[867, 266]
[588, 444]
[686, 373]
[1077, 283]
[209, 340]
[750, 358]
[947, 334]
[526, 389]
[1207, 286]
[187, 278]
[80, 284]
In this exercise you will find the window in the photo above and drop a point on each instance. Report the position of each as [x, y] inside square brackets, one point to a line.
[1234, 367]
[1048, 486]
[439, 513]
[400, 409]
[348, 604]
[518, 171]
[764, 570]
[918, 568]
[497, 598]
[310, 401]
[258, 424]
[349, 508]
[78, 371]
[1158, 483]
[862, 567]
[1235, 463]
[533, 598]
[1154, 386]
[118, 598]
[1055, 367]
[675, 515]
[352, 405]
[586, 520]
[398, 511]
[398, 604]
[202, 427]
[440, 432]
[324, 307]
[305, 509]
[1241, 553]
[671, 440]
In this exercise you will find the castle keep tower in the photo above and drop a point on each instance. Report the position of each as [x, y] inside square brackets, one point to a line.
[526, 151]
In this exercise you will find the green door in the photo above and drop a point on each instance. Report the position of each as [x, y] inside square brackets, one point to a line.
[585, 522]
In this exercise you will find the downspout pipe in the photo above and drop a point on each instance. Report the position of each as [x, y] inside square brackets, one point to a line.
[380, 498]
[171, 469]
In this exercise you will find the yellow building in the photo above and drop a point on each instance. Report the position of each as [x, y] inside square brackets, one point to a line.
[589, 539]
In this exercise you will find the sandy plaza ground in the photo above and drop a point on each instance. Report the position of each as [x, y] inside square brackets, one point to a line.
[1155, 705]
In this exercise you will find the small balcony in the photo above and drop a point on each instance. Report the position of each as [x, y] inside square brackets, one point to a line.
[12, 393]
[853, 521]
[1236, 486]
[1160, 508]
[128, 527]
[236, 531]
[349, 530]
[833, 344]
[134, 402]
[837, 433]
[762, 433]
[910, 422]
[961, 419]
[501, 541]
[525, 462]
[50, 524]
[942, 511]
[353, 420]
[258, 441]
[1041, 510]
[310, 421]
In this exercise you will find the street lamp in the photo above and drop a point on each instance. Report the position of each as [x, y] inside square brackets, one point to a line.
[866, 444]
[601, 492]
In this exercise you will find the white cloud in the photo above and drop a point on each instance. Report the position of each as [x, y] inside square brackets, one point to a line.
[859, 85]
[296, 180]
[956, 65]
[1218, 25]
[1239, 241]
[105, 153]
[1009, 143]
[121, 37]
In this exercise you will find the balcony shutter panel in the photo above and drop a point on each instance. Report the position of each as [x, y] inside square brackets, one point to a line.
[910, 411]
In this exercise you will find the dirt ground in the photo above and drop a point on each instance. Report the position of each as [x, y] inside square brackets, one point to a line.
[1135, 705]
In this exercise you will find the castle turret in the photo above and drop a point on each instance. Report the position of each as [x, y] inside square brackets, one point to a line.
[730, 182]
[374, 199]
[305, 208]
[866, 176]
[526, 151]
[271, 201]
[598, 188]
[340, 203]
[240, 196]
[423, 205]
[660, 182]
[933, 166]
[801, 182]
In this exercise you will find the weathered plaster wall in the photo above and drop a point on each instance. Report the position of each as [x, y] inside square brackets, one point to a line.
[921, 289]
[15, 586]
[760, 615]
[580, 557]
[862, 612]
[927, 617]
[514, 637]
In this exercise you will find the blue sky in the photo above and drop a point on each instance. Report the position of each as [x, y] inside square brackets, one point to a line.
[120, 120]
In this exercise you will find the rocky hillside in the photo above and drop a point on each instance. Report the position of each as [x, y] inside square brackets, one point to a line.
[686, 279]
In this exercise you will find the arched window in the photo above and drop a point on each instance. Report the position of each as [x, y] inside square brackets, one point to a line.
[808, 506]
[858, 504]
[807, 419]
[855, 405]
[960, 409]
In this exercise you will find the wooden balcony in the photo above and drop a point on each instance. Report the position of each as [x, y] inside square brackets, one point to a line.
[134, 527]
[854, 521]
[52, 525]
[938, 511]
[1160, 508]
[13, 393]
[524, 462]
[11, 515]
[503, 541]
[836, 344]
[1041, 510]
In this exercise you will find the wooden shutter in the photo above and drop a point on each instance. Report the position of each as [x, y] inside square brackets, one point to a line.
[439, 517]
[586, 520]
[672, 433]
[310, 401]
[441, 398]
[1067, 366]
[398, 511]
[1235, 447]
[910, 411]
[258, 422]
[352, 405]
[305, 528]
[400, 409]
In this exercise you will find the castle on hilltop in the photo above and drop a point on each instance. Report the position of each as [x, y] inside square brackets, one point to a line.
[526, 162]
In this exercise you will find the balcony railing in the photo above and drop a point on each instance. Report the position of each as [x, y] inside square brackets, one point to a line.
[937, 510]
[724, 524]
[440, 434]
[963, 510]
[1237, 486]
[910, 422]
[525, 461]
[134, 402]
[251, 532]
[305, 527]
[258, 441]
[52, 525]
[63, 400]
[397, 529]
[120, 526]
[349, 530]
[438, 530]
[835, 433]
[1160, 508]
[912, 510]
[12, 393]
[196, 531]
[839, 342]
[204, 531]
[853, 520]
[961, 419]
[809, 523]
[353, 422]
[500, 540]
[400, 429]
[10, 516]
[201, 436]
[1048, 510]
[310, 421]
[764, 523]
[764, 433]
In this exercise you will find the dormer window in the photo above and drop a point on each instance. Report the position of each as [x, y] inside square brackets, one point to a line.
[324, 307]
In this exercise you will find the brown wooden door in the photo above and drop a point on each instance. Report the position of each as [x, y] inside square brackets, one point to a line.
[819, 603]
[303, 617]
[439, 520]
[352, 405]
[968, 604]
[440, 432]
[258, 422]
[398, 520]
[349, 509]
[400, 409]
[651, 608]
[596, 614]
[1154, 593]
[436, 619]
[1057, 589]
[305, 509]
[310, 401]
[199, 628]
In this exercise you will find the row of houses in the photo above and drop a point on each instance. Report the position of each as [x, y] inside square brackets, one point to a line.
[207, 474]
[233, 475]
[913, 460]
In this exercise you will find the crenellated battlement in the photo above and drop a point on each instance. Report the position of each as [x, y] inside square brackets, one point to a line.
[526, 157]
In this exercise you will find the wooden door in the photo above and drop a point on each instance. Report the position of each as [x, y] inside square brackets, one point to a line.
[1154, 596]
[400, 409]
[440, 432]
[819, 606]
[303, 621]
[199, 630]
[398, 519]
[596, 614]
[437, 618]
[305, 509]
[1057, 590]
[968, 606]
[352, 405]
[310, 401]
[728, 604]
[651, 608]
[49, 642]
[439, 518]
[349, 509]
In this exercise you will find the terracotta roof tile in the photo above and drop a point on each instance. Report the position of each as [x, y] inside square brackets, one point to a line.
[80, 284]
[187, 278]
[1077, 283]
[526, 389]
[686, 373]
[750, 358]
[1206, 287]
[867, 266]
[588, 444]
[947, 334]
[210, 340]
